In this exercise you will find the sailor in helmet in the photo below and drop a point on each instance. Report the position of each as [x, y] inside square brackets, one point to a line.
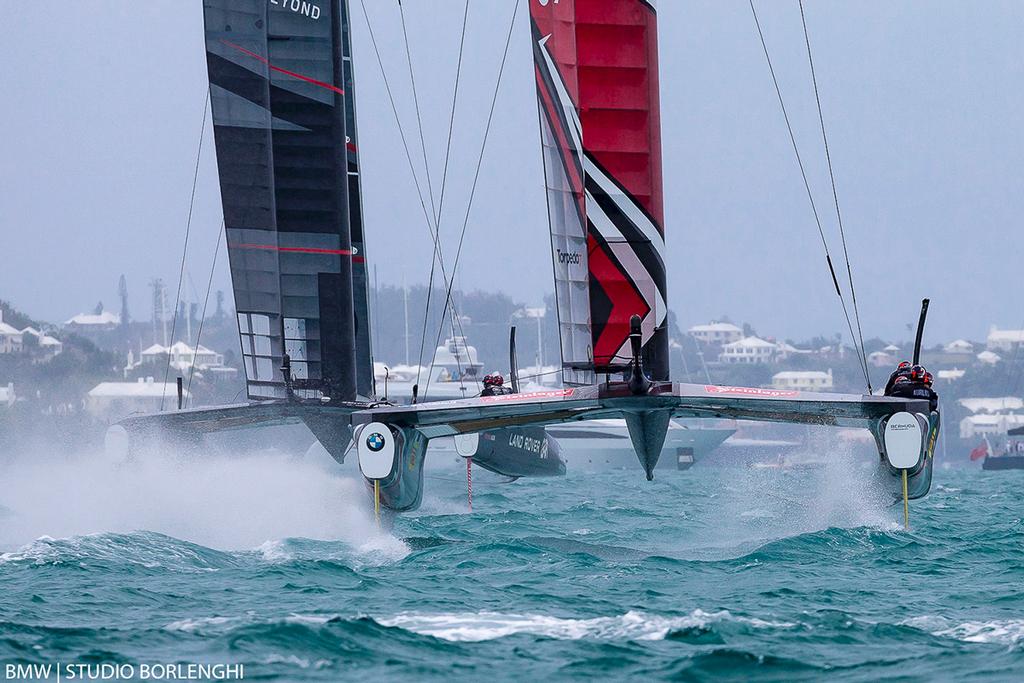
[494, 385]
[902, 370]
[915, 384]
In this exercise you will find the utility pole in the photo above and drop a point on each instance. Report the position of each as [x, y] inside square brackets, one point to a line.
[159, 308]
[122, 289]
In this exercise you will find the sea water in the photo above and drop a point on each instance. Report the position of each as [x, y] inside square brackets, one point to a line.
[723, 573]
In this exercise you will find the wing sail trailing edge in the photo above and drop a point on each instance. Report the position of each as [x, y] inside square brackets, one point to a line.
[596, 68]
[360, 271]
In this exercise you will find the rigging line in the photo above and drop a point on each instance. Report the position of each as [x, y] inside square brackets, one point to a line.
[444, 183]
[416, 106]
[184, 250]
[480, 158]
[438, 248]
[426, 312]
[451, 298]
[451, 120]
[835, 194]
[412, 166]
[810, 195]
[206, 302]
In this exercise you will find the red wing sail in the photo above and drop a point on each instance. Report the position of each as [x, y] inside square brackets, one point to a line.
[596, 66]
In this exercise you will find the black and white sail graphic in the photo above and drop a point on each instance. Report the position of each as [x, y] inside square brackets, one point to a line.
[284, 129]
[596, 69]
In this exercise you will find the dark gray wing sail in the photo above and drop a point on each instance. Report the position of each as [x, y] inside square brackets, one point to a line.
[279, 110]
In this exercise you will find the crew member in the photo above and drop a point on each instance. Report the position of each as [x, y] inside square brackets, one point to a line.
[916, 384]
[494, 386]
[902, 370]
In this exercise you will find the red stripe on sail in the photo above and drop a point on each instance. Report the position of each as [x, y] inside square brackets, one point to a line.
[293, 74]
[298, 250]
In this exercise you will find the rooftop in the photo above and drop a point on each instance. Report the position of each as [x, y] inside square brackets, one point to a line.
[143, 388]
[102, 318]
[989, 357]
[716, 327]
[958, 345]
[992, 404]
[750, 342]
[995, 334]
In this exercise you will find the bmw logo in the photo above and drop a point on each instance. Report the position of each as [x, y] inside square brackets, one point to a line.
[375, 442]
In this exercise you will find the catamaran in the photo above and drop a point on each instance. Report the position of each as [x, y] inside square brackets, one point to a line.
[284, 112]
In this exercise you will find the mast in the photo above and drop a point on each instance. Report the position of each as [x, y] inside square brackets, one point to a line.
[340, 347]
[360, 279]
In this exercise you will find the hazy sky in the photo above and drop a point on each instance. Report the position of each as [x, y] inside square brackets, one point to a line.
[103, 104]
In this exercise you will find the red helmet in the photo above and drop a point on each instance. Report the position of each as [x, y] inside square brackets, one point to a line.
[493, 381]
[903, 365]
[901, 380]
[917, 373]
[927, 378]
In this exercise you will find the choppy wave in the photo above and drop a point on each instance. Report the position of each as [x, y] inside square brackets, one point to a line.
[670, 580]
[109, 551]
[478, 626]
[1001, 631]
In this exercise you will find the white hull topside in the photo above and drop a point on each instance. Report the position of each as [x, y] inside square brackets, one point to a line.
[601, 445]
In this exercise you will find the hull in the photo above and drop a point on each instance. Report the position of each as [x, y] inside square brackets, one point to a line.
[514, 452]
[602, 445]
[402, 489]
[1004, 462]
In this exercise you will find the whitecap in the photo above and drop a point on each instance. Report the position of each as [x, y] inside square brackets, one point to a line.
[199, 624]
[275, 551]
[475, 627]
[1002, 631]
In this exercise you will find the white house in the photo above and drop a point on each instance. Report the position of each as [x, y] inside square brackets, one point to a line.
[748, 350]
[951, 375]
[10, 337]
[785, 350]
[45, 344]
[110, 401]
[1003, 340]
[94, 322]
[881, 359]
[990, 425]
[7, 397]
[181, 355]
[804, 380]
[12, 340]
[989, 357]
[716, 333]
[1002, 404]
[959, 346]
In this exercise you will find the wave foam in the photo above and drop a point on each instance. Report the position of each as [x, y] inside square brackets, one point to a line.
[1001, 631]
[475, 627]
